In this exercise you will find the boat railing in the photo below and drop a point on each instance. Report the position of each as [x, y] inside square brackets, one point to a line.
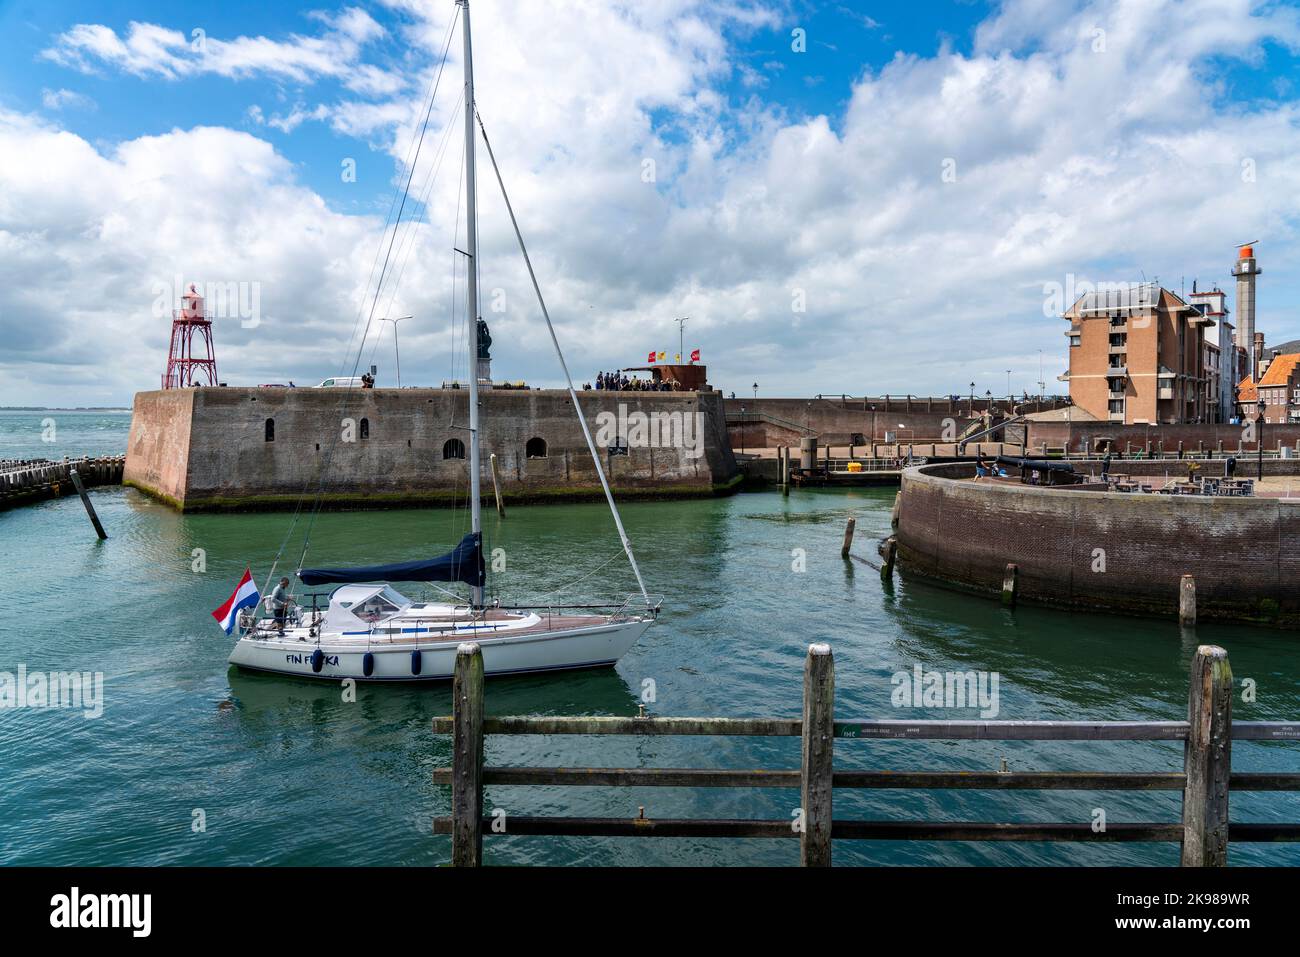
[622, 608]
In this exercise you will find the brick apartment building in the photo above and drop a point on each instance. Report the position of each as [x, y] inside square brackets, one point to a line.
[1139, 355]
[1279, 387]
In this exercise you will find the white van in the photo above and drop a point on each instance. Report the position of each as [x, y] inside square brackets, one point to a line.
[342, 382]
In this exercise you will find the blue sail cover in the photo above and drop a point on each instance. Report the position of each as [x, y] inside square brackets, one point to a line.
[464, 563]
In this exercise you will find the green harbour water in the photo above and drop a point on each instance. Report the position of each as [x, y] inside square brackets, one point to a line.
[284, 771]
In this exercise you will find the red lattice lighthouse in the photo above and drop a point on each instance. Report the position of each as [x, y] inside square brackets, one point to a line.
[183, 366]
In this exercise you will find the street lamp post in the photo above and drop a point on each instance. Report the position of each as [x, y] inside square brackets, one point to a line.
[1259, 438]
[743, 423]
[396, 352]
[681, 337]
[755, 391]
[972, 400]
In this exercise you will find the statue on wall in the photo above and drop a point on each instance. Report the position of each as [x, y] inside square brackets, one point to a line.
[484, 340]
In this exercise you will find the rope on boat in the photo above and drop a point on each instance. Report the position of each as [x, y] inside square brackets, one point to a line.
[576, 581]
[414, 156]
[582, 419]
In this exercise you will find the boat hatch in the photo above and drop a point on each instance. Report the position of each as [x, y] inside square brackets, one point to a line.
[359, 606]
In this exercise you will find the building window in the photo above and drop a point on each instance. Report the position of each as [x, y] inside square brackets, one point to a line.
[536, 448]
[453, 449]
[365, 428]
[1117, 405]
[270, 430]
[1075, 340]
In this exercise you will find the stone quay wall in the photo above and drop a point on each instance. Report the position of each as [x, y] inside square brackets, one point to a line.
[1103, 550]
[767, 423]
[255, 448]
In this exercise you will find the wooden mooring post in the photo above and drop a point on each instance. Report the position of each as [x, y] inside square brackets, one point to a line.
[889, 552]
[848, 537]
[1010, 585]
[85, 500]
[496, 486]
[467, 757]
[1207, 760]
[1204, 831]
[815, 779]
[1187, 601]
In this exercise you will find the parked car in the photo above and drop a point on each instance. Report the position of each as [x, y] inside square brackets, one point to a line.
[342, 382]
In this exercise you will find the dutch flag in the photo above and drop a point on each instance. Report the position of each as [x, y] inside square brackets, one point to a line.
[245, 596]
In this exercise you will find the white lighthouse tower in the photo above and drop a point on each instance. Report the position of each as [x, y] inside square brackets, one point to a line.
[1246, 269]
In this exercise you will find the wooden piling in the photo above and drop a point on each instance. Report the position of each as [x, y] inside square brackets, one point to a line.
[1207, 760]
[818, 756]
[496, 486]
[467, 757]
[785, 470]
[848, 537]
[85, 500]
[894, 512]
[1010, 585]
[889, 552]
[1187, 601]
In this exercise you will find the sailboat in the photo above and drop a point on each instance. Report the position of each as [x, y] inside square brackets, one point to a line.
[368, 630]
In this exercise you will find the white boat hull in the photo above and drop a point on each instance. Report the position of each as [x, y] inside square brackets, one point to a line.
[588, 647]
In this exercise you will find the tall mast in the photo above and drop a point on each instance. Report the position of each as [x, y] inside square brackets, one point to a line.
[471, 217]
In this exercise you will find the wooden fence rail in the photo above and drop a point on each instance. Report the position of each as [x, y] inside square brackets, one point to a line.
[1206, 780]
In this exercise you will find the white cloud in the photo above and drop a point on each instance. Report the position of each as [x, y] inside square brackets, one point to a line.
[1104, 164]
[150, 50]
[62, 99]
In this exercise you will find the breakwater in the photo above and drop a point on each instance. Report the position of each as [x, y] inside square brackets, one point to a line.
[261, 448]
[1102, 550]
[34, 480]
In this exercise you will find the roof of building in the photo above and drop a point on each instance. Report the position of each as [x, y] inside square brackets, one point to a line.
[1246, 391]
[1280, 369]
[1118, 297]
[1114, 298]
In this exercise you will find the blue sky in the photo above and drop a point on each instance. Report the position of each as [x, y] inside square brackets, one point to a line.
[844, 40]
[131, 160]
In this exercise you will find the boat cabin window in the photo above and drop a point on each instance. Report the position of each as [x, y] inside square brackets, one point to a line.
[375, 608]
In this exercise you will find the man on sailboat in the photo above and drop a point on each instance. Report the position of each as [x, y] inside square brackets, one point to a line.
[280, 600]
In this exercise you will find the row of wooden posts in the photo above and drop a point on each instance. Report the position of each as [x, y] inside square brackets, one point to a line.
[35, 480]
[1204, 830]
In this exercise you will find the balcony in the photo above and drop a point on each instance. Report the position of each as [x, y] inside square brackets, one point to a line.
[1114, 416]
[1115, 394]
[1116, 371]
[1166, 392]
[1118, 349]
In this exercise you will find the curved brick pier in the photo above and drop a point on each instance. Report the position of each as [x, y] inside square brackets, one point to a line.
[1103, 550]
